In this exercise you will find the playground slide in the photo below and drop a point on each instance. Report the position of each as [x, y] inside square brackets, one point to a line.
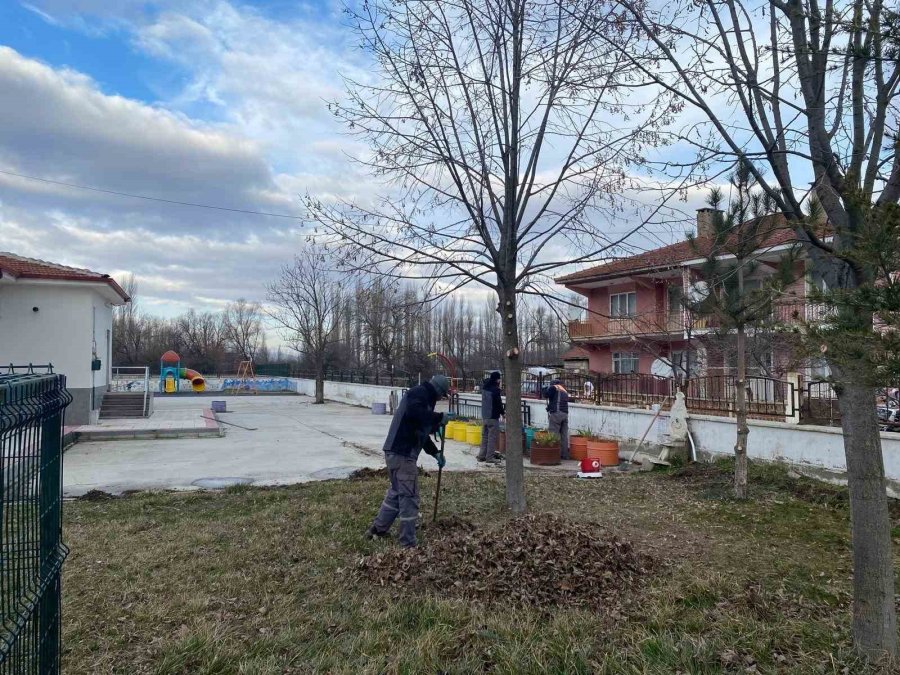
[198, 384]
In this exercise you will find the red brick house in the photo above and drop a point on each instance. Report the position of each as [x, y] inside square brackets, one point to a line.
[636, 321]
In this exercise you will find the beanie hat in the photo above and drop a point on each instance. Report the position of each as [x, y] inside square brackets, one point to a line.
[495, 375]
[441, 383]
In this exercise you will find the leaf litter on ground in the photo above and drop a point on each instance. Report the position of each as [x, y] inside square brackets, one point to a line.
[536, 560]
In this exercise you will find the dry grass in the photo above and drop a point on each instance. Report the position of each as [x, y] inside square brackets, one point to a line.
[256, 581]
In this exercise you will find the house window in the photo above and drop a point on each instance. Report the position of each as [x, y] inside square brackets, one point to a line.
[623, 304]
[675, 298]
[683, 363]
[625, 362]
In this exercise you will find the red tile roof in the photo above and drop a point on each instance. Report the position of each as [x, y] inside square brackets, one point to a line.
[665, 257]
[31, 268]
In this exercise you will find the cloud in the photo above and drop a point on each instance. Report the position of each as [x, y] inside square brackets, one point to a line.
[56, 124]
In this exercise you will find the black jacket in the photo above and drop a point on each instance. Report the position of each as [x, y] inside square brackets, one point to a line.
[557, 399]
[413, 422]
[491, 400]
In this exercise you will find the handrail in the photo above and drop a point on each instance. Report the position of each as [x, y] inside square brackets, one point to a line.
[138, 370]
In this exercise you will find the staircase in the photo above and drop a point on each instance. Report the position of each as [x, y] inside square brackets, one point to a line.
[124, 404]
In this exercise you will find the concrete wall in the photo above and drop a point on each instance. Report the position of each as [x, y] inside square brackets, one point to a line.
[345, 392]
[819, 450]
[68, 329]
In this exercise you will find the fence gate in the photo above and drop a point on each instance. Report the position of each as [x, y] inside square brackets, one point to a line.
[31, 548]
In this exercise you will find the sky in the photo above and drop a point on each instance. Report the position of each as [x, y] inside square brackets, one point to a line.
[212, 102]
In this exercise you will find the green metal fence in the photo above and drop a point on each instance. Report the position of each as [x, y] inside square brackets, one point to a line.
[32, 410]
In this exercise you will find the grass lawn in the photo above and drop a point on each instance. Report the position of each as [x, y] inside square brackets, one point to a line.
[263, 581]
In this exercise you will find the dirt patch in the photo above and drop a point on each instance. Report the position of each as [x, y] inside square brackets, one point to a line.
[537, 560]
[366, 474]
[96, 496]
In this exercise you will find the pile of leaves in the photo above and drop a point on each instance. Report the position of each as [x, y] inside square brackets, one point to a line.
[538, 560]
[366, 473]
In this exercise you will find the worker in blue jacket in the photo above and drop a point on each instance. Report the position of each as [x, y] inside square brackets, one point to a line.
[410, 432]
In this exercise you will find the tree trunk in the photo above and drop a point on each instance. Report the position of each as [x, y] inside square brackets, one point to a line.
[515, 469]
[740, 404]
[320, 381]
[874, 616]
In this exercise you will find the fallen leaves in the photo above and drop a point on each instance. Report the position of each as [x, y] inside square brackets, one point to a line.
[537, 560]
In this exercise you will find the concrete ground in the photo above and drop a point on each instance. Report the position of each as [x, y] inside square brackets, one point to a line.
[294, 442]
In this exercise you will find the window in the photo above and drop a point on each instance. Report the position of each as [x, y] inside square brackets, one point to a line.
[675, 297]
[623, 304]
[625, 362]
[683, 363]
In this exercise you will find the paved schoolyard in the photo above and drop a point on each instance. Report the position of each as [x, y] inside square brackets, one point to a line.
[294, 441]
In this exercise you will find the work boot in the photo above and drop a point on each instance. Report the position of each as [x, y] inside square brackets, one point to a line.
[492, 460]
[373, 535]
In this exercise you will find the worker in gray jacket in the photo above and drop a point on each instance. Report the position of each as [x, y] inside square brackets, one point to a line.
[413, 423]
[491, 411]
[558, 414]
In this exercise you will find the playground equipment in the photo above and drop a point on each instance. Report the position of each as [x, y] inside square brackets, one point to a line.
[171, 373]
[245, 379]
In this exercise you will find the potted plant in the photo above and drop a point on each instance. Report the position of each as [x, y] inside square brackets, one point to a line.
[603, 449]
[578, 444]
[545, 448]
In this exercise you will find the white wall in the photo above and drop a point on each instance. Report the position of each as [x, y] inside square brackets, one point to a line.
[347, 392]
[60, 332]
[804, 446]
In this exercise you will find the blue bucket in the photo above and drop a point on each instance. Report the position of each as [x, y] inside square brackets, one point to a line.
[218, 406]
[529, 436]
[379, 408]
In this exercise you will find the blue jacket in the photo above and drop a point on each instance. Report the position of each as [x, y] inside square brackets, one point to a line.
[413, 422]
[557, 399]
[491, 400]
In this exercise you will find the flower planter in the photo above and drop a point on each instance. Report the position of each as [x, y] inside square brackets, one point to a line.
[604, 450]
[545, 456]
[473, 435]
[459, 433]
[578, 447]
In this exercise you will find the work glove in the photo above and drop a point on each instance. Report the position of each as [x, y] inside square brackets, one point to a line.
[441, 460]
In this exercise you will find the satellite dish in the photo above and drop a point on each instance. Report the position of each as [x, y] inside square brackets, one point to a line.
[661, 367]
[698, 291]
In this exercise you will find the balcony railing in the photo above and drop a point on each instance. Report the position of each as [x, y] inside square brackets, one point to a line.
[664, 323]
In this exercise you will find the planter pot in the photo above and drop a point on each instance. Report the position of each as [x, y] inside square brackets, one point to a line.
[578, 447]
[542, 456]
[459, 433]
[606, 451]
[473, 435]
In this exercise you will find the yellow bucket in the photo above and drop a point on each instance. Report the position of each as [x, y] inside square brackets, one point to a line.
[473, 435]
[459, 434]
[450, 429]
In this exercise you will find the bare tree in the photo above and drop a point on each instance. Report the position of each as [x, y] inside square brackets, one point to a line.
[497, 126]
[731, 259]
[805, 93]
[204, 336]
[307, 299]
[243, 327]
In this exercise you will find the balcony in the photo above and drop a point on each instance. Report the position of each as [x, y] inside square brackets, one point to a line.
[667, 323]
[654, 323]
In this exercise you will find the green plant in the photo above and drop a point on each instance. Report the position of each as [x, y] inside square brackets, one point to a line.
[586, 433]
[545, 439]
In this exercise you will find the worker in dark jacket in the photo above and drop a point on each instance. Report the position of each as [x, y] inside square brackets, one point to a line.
[558, 414]
[491, 411]
[413, 423]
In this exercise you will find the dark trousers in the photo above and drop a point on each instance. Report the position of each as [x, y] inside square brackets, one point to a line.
[401, 500]
[559, 424]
